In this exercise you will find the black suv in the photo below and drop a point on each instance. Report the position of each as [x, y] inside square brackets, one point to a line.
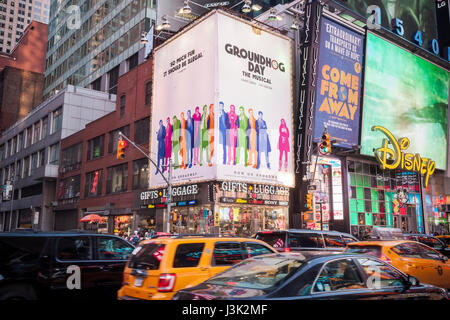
[305, 239]
[39, 265]
[430, 241]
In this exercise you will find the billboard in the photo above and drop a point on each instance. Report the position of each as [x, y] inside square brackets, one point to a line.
[416, 15]
[222, 104]
[339, 84]
[407, 95]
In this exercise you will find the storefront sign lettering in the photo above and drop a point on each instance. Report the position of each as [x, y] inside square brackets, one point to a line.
[390, 156]
[253, 188]
[176, 191]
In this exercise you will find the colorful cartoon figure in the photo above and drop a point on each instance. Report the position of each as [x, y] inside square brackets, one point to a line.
[161, 135]
[400, 200]
[197, 134]
[242, 136]
[168, 143]
[210, 125]
[224, 126]
[263, 139]
[189, 138]
[176, 126]
[205, 137]
[283, 144]
[183, 144]
[252, 140]
[232, 134]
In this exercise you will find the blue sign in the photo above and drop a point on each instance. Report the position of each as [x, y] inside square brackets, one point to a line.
[338, 92]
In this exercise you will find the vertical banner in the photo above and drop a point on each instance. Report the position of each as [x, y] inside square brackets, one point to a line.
[339, 84]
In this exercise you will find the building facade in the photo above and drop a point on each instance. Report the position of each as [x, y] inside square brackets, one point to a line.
[16, 16]
[104, 184]
[30, 155]
[93, 43]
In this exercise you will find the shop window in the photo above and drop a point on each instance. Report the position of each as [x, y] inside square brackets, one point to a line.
[339, 275]
[188, 255]
[351, 166]
[227, 253]
[353, 192]
[93, 186]
[113, 249]
[69, 188]
[114, 138]
[96, 147]
[74, 248]
[140, 174]
[117, 178]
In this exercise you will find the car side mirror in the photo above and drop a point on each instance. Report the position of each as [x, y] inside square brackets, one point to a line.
[413, 281]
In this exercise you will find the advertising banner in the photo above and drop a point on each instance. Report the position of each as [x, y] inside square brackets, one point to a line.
[339, 84]
[222, 104]
[407, 95]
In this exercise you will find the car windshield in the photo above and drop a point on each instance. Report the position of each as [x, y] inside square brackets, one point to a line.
[275, 239]
[374, 251]
[260, 273]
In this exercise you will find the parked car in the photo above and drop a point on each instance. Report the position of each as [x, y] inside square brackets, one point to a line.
[433, 242]
[304, 239]
[39, 265]
[312, 275]
[160, 267]
[445, 239]
[413, 258]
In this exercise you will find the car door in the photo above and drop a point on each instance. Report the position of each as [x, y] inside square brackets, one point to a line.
[438, 271]
[110, 255]
[73, 269]
[225, 254]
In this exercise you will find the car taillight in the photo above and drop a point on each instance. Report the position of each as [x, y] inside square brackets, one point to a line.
[166, 282]
[385, 258]
[287, 249]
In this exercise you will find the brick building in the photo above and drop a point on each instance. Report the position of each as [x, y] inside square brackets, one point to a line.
[106, 184]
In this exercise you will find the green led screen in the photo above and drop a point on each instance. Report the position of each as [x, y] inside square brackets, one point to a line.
[408, 96]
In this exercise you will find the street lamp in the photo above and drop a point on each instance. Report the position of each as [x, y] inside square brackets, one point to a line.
[186, 9]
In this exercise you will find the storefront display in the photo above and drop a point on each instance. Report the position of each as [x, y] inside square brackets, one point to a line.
[123, 225]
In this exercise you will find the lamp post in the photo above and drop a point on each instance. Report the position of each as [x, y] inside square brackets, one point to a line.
[167, 180]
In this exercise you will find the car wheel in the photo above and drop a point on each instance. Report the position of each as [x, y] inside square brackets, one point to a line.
[17, 292]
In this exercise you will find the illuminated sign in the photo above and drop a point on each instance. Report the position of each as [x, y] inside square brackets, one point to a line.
[390, 156]
[176, 191]
[253, 188]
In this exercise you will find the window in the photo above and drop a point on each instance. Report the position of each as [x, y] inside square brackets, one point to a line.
[54, 153]
[333, 241]
[140, 174]
[71, 248]
[14, 145]
[133, 61]
[429, 241]
[21, 249]
[26, 167]
[57, 120]
[44, 130]
[34, 161]
[113, 80]
[113, 249]
[93, 186]
[305, 240]
[147, 256]
[69, 188]
[42, 157]
[428, 253]
[114, 138]
[227, 253]
[380, 275]
[349, 239]
[21, 140]
[117, 178]
[142, 131]
[96, 85]
[123, 99]
[252, 249]
[340, 274]
[188, 255]
[96, 147]
[148, 93]
[71, 157]
[408, 250]
[36, 135]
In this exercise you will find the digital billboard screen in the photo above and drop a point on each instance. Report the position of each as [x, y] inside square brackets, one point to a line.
[407, 95]
[339, 84]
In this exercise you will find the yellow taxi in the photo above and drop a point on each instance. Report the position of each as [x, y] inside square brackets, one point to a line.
[445, 239]
[413, 258]
[158, 268]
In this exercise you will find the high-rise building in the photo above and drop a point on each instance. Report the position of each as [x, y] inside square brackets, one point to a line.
[16, 15]
[92, 42]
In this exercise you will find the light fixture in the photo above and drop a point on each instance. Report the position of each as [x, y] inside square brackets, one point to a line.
[256, 7]
[158, 27]
[186, 9]
[165, 23]
[272, 14]
[246, 7]
[295, 24]
[144, 38]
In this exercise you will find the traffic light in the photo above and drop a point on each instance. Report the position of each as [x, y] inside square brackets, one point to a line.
[309, 201]
[121, 144]
[326, 143]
